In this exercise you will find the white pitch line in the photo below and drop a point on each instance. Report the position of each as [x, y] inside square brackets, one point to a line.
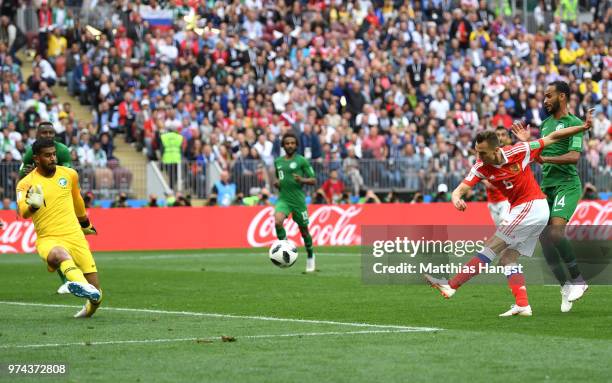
[209, 339]
[234, 316]
[200, 255]
[127, 257]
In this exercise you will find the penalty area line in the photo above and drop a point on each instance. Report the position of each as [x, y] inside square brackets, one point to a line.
[234, 316]
[205, 339]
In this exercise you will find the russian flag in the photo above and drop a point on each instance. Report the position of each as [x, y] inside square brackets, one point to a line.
[162, 18]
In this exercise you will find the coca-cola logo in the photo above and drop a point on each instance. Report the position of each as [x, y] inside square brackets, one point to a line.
[18, 237]
[329, 225]
[591, 221]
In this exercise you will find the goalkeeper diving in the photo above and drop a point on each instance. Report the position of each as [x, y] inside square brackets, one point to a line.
[51, 197]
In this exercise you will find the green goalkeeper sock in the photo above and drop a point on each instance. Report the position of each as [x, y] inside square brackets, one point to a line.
[62, 276]
[281, 233]
[308, 243]
[567, 254]
[554, 261]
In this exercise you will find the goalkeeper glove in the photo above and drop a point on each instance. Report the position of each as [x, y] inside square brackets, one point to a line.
[87, 227]
[34, 197]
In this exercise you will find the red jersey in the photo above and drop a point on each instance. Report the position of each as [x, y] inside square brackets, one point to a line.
[513, 177]
[494, 195]
[332, 188]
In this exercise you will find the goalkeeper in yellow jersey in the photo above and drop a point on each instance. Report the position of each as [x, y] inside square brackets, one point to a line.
[50, 195]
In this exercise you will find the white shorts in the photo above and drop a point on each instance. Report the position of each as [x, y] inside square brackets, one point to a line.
[522, 226]
[498, 211]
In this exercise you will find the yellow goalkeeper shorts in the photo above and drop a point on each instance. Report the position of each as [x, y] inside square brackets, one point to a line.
[77, 248]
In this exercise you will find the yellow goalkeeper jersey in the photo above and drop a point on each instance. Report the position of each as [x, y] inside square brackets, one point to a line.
[62, 203]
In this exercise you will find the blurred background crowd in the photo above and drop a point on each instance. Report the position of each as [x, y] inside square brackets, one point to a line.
[386, 96]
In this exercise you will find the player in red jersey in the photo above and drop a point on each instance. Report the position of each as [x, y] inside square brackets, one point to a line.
[507, 168]
[496, 201]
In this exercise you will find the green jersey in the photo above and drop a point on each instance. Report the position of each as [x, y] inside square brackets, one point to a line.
[290, 190]
[63, 158]
[554, 174]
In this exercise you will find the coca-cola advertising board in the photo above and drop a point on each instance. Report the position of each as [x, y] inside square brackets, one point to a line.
[246, 227]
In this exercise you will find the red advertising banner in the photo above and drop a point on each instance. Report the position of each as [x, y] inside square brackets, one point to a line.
[245, 227]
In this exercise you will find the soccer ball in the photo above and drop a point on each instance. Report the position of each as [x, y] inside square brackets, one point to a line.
[283, 253]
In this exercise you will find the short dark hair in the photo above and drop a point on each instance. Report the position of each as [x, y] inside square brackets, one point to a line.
[561, 87]
[501, 128]
[489, 136]
[42, 143]
[289, 135]
[45, 124]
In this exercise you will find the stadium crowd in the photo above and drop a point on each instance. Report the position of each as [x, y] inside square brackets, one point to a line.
[382, 94]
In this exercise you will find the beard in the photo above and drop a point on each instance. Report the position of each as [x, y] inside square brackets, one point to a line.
[554, 107]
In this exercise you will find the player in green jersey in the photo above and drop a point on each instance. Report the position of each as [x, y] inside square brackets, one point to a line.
[563, 190]
[46, 130]
[293, 171]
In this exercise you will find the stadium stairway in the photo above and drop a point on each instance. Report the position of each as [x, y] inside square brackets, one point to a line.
[128, 157]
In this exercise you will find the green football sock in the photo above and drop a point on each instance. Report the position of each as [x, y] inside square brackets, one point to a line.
[62, 276]
[281, 233]
[567, 254]
[554, 261]
[308, 243]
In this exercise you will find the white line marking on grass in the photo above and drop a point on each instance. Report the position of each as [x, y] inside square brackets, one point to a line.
[101, 257]
[207, 339]
[233, 316]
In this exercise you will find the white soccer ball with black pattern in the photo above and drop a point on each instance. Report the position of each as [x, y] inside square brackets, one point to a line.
[283, 253]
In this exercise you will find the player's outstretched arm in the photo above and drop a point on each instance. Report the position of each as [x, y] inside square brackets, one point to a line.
[457, 196]
[568, 132]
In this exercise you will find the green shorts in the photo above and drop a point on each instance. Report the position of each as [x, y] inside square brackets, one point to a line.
[563, 199]
[298, 213]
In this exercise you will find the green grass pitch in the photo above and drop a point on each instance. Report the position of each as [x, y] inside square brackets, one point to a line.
[165, 312]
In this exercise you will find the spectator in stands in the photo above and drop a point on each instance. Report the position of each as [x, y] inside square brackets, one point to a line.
[392, 197]
[600, 125]
[103, 175]
[309, 145]
[128, 109]
[120, 200]
[590, 192]
[350, 166]
[333, 187]
[6, 204]
[224, 189]
[152, 201]
[370, 197]
[57, 45]
[442, 195]
[11, 36]
[47, 73]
